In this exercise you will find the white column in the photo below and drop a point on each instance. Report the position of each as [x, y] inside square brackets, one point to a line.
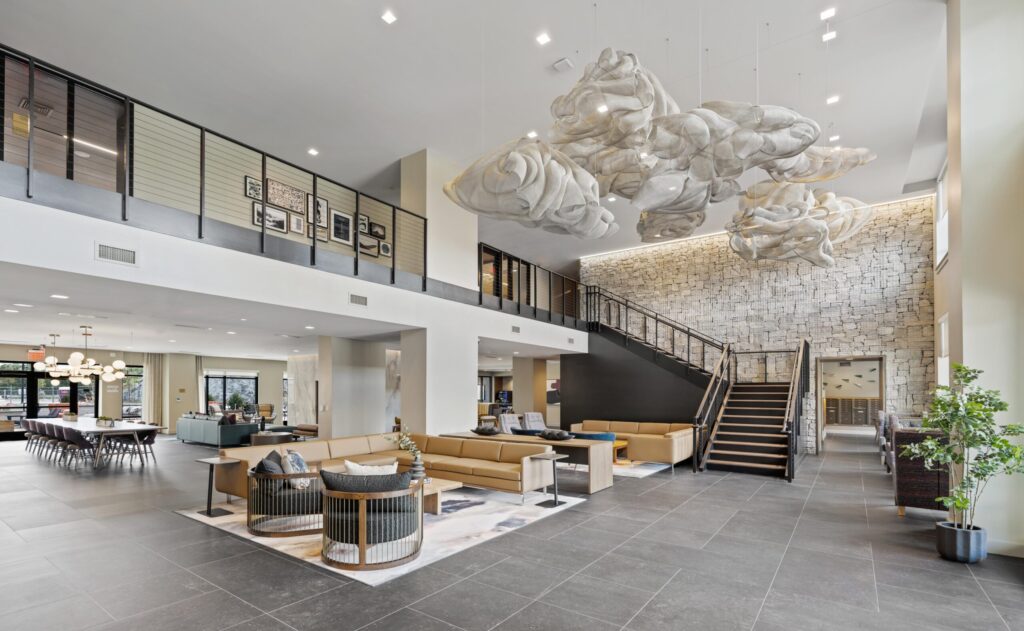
[438, 379]
[986, 201]
[451, 231]
[351, 378]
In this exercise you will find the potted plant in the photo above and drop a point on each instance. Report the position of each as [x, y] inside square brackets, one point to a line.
[405, 441]
[972, 449]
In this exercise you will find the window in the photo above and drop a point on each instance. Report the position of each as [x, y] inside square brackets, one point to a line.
[13, 395]
[942, 365]
[233, 392]
[131, 392]
[489, 269]
[941, 220]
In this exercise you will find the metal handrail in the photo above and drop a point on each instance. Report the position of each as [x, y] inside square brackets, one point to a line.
[647, 311]
[790, 425]
[720, 377]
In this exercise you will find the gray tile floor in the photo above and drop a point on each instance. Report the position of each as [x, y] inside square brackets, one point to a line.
[83, 549]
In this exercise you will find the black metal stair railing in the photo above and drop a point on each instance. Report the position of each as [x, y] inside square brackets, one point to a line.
[710, 410]
[798, 387]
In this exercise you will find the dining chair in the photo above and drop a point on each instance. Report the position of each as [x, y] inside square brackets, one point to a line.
[31, 435]
[78, 446]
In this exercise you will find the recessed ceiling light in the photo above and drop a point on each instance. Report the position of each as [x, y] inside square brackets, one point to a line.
[833, 138]
[499, 359]
[310, 328]
[828, 13]
[62, 313]
[531, 134]
[515, 352]
[58, 297]
[602, 108]
[172, 341]
[231, 332]
[11, 311]
[295, 350]
[21, 304]
[543, 38]
[829, 36]
[611, 199]
[832, 100]
[672, 188]
[388, 17]
[313, 151]
[244, 319]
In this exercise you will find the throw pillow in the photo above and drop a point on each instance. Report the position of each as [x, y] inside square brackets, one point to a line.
[555, 434]
[365, 483]
[271, 464]
[294, 463]
[354, 468]
[485, 430]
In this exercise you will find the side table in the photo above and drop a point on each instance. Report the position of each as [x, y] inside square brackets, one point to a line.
[214, 462]
[554, 458]
[270, 438]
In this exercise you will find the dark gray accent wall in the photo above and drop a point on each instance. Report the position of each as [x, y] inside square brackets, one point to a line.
[611, 382]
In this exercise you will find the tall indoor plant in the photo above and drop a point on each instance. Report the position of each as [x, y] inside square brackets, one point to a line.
[973, 449]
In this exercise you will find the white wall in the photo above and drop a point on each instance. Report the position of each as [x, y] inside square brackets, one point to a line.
[351, 376]
[986, 61]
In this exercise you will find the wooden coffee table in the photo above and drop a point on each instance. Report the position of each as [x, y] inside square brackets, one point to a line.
[617, 446]
[432, 494]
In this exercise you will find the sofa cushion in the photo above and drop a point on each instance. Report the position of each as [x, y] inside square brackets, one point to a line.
[624, 427]
[355, 468]
[457, 465]
[482, 449]
[420, 440]
[500, 470]
[654, 428]
[675, 427]
[595, 426]
[515, 453]
[341, 447]
[382, 442]
[312, 451]
[429, 459]
[390, 453]
[404, 459]
[445, 446]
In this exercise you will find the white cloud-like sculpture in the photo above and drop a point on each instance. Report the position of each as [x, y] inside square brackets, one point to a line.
[655, 226]
[529, 181]
[818, 164]
[782, 221]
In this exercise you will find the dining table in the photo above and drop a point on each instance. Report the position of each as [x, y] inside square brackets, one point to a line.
[101, 431]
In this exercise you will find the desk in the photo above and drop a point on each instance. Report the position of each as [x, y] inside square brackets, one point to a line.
[596, 454]
[214, 462]
[87, 425]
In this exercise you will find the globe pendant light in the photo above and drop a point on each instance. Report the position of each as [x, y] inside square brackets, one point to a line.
[80, 368]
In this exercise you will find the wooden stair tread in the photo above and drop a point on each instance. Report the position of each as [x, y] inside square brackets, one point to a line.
[781, 437]
[778, 416]
[747, 444]
[746, 453]
[756, 465]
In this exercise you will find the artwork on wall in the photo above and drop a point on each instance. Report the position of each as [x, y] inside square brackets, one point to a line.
[320, 216]
[364, 224]
[321, 233]
[285, 196]
[369, 246]
[378, 231]
[297, 223]
[277, 219]
[385, 249]
[341, 227]
[253, 188]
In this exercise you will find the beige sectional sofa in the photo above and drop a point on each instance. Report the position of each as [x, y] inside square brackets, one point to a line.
[648, 442]
[499, 466]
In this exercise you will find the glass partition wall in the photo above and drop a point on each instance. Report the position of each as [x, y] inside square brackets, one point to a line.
[509, 283]
[179, 177]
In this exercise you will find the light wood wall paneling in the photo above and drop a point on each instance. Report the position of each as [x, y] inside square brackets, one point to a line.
[165, 165]
[96, 117]
[409, 233]
[227, 164]
[338, 199]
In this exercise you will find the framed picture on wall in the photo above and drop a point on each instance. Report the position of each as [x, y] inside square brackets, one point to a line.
[364, 224]
[253, 188]
[378, 231]
[321, 233]
[385, 248]
[341, 227]
[369, 246]
[319, 217]
[277, 219]
[285, 196]
[298, 223]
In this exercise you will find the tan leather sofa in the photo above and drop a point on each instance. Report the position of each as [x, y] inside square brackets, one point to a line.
[492, 465]
[648, 442]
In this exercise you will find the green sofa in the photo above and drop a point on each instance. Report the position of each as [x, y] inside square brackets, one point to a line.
[207, 430]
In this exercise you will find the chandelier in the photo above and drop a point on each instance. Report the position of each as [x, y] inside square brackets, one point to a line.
[79, 368]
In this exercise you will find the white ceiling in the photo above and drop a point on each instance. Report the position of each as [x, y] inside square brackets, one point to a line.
[127, 316]
[462, 76]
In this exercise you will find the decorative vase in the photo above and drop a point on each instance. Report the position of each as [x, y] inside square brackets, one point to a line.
[263, 424]
[416, 470]
[960, 544]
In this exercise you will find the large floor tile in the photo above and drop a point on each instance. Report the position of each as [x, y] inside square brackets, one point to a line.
[939, 583]
[208, 612]
[599, 599]
[471, 606]
[128, 599]
[67, 614]
[631, 572]
[265, 580]
[540, 616]
[937, 612]
[522, 576]
[827, 576]
[692, 600]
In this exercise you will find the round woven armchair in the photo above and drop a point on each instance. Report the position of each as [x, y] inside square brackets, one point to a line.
[372, 531]
[275, 508]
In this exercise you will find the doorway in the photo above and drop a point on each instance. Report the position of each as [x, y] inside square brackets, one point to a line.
[851, 392]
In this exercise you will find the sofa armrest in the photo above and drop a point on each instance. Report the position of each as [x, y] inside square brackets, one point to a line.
[536, 474]
[576, 427]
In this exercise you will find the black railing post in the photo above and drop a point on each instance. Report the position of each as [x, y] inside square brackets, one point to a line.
[764, 365]
[30, 157]
[394, 241]
[480, 269]
[3, 109]
[202, 179]
[263, 202]
[316, 222]
[424, 254]
[358, 233]
[70, 129]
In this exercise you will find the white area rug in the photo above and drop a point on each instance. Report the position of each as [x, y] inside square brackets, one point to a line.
[468, 517]
[632, 470]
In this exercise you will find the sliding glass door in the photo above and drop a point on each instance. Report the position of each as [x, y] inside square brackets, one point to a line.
[233, 393]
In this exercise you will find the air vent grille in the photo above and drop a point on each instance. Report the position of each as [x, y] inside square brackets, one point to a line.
[358, 300]
[845, 363]
[572, 341]
[114, 254]
[515, 329]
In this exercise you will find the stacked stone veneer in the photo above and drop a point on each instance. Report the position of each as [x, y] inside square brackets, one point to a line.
[877, 300]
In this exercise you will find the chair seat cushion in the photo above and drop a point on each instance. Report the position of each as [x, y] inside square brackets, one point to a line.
[290, 501]
[500, 470]
[334, 481]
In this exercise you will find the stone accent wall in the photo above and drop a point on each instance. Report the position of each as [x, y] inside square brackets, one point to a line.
[877, 300]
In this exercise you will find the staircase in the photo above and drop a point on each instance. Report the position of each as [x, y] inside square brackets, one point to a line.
[749, 437]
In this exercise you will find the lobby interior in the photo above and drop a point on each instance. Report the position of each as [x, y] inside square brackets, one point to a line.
[513, 316]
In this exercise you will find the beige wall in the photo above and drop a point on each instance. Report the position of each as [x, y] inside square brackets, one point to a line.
[986, 198]
[529, 378]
